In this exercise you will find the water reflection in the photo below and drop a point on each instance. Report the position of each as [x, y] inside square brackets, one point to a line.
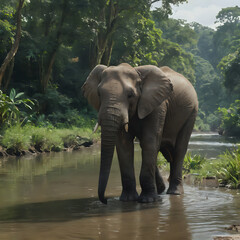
[54, 196]
[174, 220]
[211, 145]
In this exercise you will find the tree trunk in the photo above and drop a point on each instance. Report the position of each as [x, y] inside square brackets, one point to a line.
[106, 58]
[15, 46]
[8, 75]
[100, 53]
[46, 75]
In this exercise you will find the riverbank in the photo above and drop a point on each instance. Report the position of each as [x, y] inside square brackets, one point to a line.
[20, 141]
[223, 171]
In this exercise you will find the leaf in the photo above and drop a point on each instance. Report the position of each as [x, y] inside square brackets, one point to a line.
[12, 94]
[19, 95]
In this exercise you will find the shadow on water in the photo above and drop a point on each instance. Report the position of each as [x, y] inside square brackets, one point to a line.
[54, 197]
[69, 209]
[165, 219]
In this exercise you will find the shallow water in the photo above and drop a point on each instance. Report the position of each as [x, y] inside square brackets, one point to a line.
[211, 145]
[54, 196]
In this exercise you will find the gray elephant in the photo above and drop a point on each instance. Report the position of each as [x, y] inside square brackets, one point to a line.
[156, 105]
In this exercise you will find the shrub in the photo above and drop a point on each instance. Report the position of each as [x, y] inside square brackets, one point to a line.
[230, 119]
[16, 138]
[229, 169]
[193, 162]
[9, 107]
[44, 139]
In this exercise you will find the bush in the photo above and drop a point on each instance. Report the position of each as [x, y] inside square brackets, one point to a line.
[200, 124]
[9, 107]
[226, 168]
[193, 162]
[229, 169]
[16, 138]
[230, 119]
[19, 138]
[44, 139]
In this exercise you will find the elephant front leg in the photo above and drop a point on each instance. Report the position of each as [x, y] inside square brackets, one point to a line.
[125, 151]
[147, 175]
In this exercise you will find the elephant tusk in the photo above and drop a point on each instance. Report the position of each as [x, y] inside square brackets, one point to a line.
[126, 127]
[96, 127]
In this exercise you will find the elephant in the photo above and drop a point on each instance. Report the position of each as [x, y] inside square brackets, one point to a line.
[158, 106]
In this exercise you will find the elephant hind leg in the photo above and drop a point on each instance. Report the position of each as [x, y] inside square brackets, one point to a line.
[167, 151]
[159, 181]
[175, 185]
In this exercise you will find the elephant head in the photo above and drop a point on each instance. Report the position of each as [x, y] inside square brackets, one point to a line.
[118, 93]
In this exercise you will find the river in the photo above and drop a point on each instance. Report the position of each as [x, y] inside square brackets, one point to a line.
[54, 196]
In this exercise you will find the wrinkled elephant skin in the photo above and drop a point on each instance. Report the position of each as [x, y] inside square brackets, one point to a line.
[156, 105]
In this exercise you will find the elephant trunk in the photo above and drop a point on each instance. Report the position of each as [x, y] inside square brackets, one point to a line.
[109, 129]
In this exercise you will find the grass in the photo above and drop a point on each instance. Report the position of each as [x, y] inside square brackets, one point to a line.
[19, 138]
[226, 168]
[229, 172]
[16, 138]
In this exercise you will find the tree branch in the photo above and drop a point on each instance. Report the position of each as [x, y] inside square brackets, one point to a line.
[15, 46]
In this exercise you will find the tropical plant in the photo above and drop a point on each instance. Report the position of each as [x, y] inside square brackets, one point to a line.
[10, 112]
[229, 171]
[230, 119]
[193, 162]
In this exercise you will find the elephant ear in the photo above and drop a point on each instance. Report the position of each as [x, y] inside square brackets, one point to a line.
[89, 88]
[156, 87]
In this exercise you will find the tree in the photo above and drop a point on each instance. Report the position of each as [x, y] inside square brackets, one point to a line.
[226, 39]
[229, 15]
[15, 45]
[229, 66]
[108, 16]
[205, 41]
[48, 26]
[208, 86]
[177, 31]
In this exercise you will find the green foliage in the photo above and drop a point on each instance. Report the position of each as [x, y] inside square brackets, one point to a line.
[6, 29]
[226, 39]
[44, 139]
[226, 168]
[229, 15]
[18, 138]
[230, 119]
[162, 162]
[229, 66]
[193, 162]
[229, 171]
[184, 35]
[63, 40]
[9, 107]
[208, 85]
[201, 125]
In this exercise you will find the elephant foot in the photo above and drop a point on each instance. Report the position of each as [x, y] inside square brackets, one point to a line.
[161, 188]
[148, 197]
[128, 196]
[175, 189]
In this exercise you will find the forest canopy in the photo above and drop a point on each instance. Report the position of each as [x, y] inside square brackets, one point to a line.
[48, 47]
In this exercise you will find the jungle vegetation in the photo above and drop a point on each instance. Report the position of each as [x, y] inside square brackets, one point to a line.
[48, 48]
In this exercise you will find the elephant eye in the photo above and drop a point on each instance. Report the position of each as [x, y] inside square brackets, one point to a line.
[131, 93]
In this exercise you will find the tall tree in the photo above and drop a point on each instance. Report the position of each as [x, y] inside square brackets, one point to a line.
[226, 39]
[108, 16]
[15, 45]
[230, 69]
